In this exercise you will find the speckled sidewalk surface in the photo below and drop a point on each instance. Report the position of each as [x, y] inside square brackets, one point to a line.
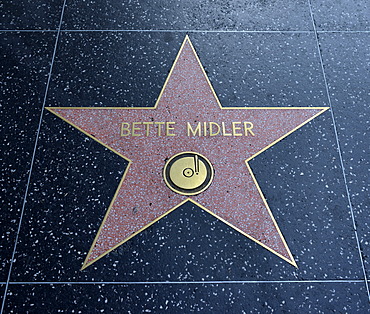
[89, 221]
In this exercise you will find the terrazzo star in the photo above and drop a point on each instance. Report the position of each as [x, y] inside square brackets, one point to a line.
[188, 164]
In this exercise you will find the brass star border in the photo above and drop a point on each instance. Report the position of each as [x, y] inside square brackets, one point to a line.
[181, 121]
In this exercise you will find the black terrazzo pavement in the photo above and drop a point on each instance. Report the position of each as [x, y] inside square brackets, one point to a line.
[343, 15]
[2, 290]
[114, 69]
[185, 298]
[272, 70]
[188, 15]
[350, 92]
[188, 261]
[30, 14]
[25, 63]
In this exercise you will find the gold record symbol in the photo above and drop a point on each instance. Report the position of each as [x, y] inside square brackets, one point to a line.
[188, 173]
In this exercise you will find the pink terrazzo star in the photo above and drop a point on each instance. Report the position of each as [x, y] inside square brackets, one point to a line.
[187, 98]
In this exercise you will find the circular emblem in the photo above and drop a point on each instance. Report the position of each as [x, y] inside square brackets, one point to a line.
[188, 173]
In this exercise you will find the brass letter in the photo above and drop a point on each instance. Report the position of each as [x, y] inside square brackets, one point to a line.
[236, 128]
[197, 129]
[168, 129]
[248, 128]
[147, 127]
[224, 131]
[211, 130]
[125, 127]
[159, 124]
[135, 129]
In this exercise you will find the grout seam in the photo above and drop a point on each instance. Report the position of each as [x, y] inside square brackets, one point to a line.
[184, 31]
[182, 282]
[28, 31]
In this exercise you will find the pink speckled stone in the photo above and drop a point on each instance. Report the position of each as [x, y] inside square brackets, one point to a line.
[143, 195]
